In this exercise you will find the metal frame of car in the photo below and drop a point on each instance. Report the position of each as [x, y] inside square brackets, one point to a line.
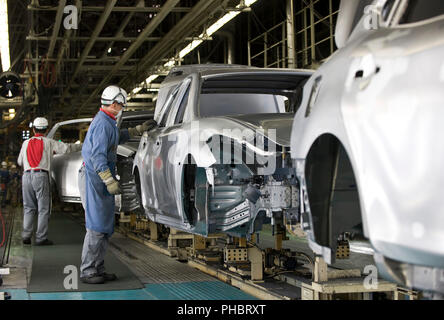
[358, 134]
[67, 186]
[164, 185]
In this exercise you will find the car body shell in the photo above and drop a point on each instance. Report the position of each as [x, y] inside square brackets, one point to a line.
[65, 167]
[164, 153]
[380, 95]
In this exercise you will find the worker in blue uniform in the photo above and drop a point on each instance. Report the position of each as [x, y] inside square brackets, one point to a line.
[100, 183]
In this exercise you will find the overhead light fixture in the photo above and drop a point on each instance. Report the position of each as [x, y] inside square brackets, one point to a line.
[4, 35]
[109, 50]
[136, 90]
[210, 31]
[151, 78]
[147, 81]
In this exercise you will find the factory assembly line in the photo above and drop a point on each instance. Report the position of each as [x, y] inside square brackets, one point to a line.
[155, 167]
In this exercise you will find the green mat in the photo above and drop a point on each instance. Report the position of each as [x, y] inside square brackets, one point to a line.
[49, 262]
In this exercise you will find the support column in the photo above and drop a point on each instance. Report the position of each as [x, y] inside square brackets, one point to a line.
[199, 243]
[312, 33]
[305, 48]
[320, 270]
[255, 257]
[290, 35]
[154, 235]
[133, 219]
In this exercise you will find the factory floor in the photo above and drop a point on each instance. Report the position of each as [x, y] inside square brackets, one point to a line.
[162, 277]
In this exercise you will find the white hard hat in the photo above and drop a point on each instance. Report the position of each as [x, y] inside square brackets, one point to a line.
[40, 123]
[4, 164]
[113, 94]
[13, 166]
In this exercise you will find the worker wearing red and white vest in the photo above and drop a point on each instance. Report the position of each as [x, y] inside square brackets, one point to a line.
[35, 158]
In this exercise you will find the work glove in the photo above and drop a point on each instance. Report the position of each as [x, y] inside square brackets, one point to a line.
[76, 147]
[112, 185]
[141, 128]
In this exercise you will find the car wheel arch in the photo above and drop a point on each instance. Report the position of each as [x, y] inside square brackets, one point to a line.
[332, 188]
[188, 175]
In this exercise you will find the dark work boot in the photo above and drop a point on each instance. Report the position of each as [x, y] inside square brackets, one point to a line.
[93, 279]
[109, 276]
[26, 241]
[45, 242]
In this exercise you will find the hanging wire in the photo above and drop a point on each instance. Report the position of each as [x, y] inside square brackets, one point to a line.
[48, 74]
[3, 229]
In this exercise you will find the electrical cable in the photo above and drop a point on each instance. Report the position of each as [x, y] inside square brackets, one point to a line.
[44, 32]
[48, 76]
[306, 256]
[3, 229]
[278, 273]
[11, 228]
[27, 66]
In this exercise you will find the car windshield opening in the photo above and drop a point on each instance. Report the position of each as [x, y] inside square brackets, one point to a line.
[223, 104]
[422, 10]
[72, 133]
[132, 123]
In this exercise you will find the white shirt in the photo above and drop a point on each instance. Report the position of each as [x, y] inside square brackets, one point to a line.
[50, 146]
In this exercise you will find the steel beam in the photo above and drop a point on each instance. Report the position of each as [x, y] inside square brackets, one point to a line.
[291, 52]
[150, 28]
[115, 9]
[122, 27]
[139, 104]
[17, 58]
[99, 26]
[88, 60]
[104, 67]
[55, 30]
[143, 96]
[93, 86]
[65, 43]
[312, 33]
[100, 39]
[173, 38]
[64, 46]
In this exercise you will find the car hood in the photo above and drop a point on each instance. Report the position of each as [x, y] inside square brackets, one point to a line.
[281, 122]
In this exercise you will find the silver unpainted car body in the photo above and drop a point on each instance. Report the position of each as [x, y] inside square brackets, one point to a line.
[374, 112]
[65, 167]
[180, 168]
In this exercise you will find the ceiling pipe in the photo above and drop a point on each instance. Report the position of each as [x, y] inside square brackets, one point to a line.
[122, 27]
[182, 29]
[150, 28]
[99, 39]
[33, 7]
[229, 36]
[56, 28]
[66, 39]
[99, 26]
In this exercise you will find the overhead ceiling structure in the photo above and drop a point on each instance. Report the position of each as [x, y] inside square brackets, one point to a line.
[132, 43]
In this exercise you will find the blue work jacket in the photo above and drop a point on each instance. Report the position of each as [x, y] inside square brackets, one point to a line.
[99, 154]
